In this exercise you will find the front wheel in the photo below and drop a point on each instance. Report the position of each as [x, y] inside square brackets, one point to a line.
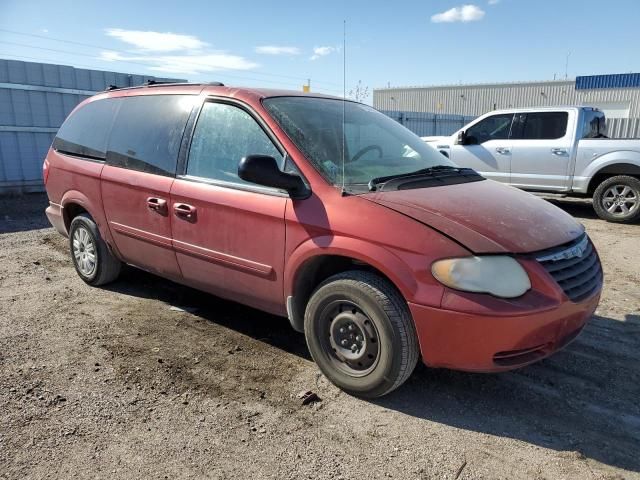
[617, 199]
[360, 334]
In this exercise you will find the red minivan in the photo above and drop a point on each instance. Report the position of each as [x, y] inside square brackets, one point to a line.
[328, 212]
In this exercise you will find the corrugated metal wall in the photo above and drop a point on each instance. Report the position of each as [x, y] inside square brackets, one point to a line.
[35, 98]
[623, 127]
[474, 100]
[619, 80]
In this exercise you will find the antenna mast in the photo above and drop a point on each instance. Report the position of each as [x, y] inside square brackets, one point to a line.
[344, 94]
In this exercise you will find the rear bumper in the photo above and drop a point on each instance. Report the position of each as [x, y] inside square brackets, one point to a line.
[54, 214]
[484, 343]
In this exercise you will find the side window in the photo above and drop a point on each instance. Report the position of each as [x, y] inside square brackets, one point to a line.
[147, 133]
[223, 135]
[85, 132]
[495, 127]
[541, 126]
[594, 125]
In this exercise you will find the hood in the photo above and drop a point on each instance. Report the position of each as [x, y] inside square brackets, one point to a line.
[434, 139]
[485, 216]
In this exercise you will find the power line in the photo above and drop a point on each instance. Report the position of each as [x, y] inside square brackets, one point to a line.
[195, 64]
[46, 37]
[217, 73]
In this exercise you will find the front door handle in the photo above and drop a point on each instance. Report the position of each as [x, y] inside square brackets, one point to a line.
[158, 205]
[559, 151]
[185, 211]
[503, 150]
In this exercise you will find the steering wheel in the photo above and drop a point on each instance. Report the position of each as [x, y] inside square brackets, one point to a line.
[364, 150]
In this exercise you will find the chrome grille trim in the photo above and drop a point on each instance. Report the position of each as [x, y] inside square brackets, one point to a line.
[575, 267]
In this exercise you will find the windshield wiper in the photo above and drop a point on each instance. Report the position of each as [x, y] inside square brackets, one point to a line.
[429, 171]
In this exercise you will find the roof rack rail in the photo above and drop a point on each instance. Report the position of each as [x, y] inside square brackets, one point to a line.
[158, 83]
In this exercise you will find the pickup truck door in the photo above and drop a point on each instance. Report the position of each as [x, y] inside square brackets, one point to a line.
[542, 150]
[487, 148]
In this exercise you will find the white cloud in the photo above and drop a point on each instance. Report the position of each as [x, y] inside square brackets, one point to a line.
[184, 64]
[172, 53]
[277, 50]
[465, 13]
[157, 41]
[494, 2]
[321, 52]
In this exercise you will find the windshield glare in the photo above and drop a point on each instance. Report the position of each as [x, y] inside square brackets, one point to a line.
[374, 144]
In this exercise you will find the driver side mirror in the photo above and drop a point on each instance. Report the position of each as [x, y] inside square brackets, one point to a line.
[462, 138]
[264, 170]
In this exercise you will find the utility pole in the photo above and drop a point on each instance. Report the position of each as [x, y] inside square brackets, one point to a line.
[566, 66]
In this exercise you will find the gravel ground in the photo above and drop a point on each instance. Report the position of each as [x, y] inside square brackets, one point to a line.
[113, 383]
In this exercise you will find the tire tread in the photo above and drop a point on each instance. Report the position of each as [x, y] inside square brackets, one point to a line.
[599, 191]
[109, 266]
[396, 309]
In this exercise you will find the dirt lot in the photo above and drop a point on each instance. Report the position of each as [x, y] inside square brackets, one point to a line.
[113, 383]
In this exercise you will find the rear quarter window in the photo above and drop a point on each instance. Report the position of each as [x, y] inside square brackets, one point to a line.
[540, 126]
[85, 132]
[147, 132]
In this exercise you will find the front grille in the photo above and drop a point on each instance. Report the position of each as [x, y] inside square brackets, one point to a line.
[575, 266]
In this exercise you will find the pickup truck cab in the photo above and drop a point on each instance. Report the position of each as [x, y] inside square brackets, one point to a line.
[327, 212]
[561, 150]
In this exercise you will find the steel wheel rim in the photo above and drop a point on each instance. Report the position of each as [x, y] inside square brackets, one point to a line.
[84, 251]
[620, 200]
[349, 338]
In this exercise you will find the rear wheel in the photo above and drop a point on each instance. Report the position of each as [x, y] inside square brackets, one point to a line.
[360, 333]
[94, 263]
[617, 199]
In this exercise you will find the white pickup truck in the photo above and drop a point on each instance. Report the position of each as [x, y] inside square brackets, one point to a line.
[562, 150]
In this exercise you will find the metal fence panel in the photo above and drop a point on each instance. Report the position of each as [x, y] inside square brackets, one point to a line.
[425, 124]
[35, 98]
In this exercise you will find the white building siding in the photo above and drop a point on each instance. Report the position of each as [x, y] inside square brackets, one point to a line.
[474, 100]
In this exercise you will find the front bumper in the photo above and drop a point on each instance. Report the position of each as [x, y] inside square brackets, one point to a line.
[491, 343]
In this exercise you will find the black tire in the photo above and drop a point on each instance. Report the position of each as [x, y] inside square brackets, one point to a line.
[604, 199]
[106, 267]
[358, 297]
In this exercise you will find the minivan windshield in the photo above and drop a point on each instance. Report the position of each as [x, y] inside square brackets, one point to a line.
[374, 145]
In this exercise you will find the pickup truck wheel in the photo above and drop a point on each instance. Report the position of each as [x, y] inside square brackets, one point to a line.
[360, 333]
[94, 263]
[617, 199]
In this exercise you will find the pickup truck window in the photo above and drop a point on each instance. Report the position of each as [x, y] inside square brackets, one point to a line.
[495, 127]
[594, 125]
[540, 126]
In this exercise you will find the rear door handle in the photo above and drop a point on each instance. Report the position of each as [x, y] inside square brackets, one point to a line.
[158, 205]
[559, 151]
[503, 150]
[185, 211]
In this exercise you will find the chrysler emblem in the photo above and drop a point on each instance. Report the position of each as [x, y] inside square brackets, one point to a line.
[574, 251]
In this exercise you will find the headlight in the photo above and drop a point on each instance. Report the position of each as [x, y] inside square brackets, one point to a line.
[497, 275]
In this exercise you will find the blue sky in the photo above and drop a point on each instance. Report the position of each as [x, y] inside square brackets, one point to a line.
[281, 44]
